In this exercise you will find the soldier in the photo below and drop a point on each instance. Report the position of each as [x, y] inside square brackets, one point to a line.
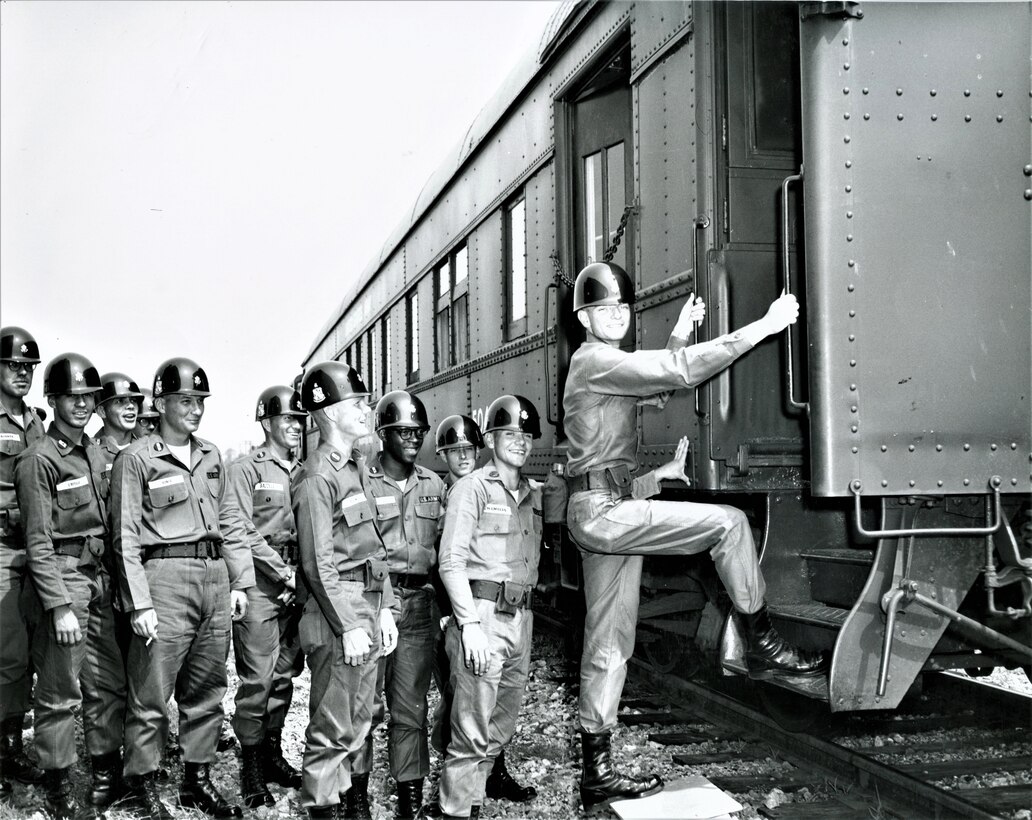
[408, 500]
[615, 525]
[58, 479]
[459, 440]
[488, 564]
[20, 426]
[346, 622]
[118, 405]
[180, 583]
[147, 417]
[256, 511]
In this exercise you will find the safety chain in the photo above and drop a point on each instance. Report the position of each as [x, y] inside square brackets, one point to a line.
[560, 275]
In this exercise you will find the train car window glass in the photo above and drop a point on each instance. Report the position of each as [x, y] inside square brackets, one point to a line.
[516, 259]
[368, 372]
[613, 169]
[460, 323]
[593, 213]
[442, 318]
[347, 355]
[461, 266]
[358, 354]
[775, 76]
[385, 359]
[412, 351]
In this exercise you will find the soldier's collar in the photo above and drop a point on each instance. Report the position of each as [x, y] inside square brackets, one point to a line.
[65, 444]
[265, 454]
[335, 457]
[490, 472]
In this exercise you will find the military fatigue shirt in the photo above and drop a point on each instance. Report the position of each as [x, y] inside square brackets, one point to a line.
[58, 485]
[256, 511]
[335, 533]
[14, 438]
[605, 385]
[156, 500]
[109, 451]
[408, 520]
[489, 536]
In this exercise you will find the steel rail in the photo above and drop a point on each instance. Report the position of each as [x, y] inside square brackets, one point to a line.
[897, 788]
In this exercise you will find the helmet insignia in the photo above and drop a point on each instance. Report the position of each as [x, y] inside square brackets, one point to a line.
[197, 380]
[157, 387]
[261, 408]
[318, 395]
[462, 436]
[24, 348]
[524, 414]
[78, 376]
[122, 385]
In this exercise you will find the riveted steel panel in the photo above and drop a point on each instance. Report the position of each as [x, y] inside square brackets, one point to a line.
[523, 375]
[540, 199]
[916, 150]
[656, 27]
[664, 123]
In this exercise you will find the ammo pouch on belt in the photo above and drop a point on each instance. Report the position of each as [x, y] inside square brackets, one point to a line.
[10, 521]
[510, 597]
[619, 481]
[375, 574]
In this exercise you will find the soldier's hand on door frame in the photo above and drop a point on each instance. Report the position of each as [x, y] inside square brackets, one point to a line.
[388, 631]
[145, 623]
[238, 604]
[356, 643]
[66, 626]
[673, 470]
[475, 651]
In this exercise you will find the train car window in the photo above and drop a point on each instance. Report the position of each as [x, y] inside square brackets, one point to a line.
[442, 317]
[412, 347]
[604, 202]
[451, 330]
[368, 372]
[385, 358]
[358, 355]
[460, 318]
[594, 232]
[347, 355]
[516, 268]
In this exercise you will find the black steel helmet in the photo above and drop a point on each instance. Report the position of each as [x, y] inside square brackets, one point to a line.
[17, 345]
[70, 374]
[513, 413]
[114, 385]
[399, 408]
[458, 431]
[278, 400]
[327, 383]
[602, 283]
[147, 410]
[180, 375]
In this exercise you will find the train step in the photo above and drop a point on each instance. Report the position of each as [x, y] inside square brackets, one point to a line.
[837, 576]
[819, 615]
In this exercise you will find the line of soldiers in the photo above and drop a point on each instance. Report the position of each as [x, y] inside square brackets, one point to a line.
[336, 560]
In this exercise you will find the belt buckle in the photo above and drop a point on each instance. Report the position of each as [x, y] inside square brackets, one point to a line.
[210, 550]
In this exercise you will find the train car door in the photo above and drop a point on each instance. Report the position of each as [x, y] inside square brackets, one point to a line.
[752, 425]
[601, 166]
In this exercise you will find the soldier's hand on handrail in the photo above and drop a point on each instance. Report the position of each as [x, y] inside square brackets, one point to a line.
[356, 645]
[673, 470]
[693, 312]
[783, 311]
[475, 651]
[388, 631]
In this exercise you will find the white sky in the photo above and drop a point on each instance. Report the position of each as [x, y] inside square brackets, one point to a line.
[207, 179]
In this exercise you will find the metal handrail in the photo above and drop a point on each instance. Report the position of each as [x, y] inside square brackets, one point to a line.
[799, 405]
[994, 484]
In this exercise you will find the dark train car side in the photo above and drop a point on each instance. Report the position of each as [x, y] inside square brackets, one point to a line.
[873, 159]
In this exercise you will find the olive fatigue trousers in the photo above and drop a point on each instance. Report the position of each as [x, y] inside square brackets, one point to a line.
[89, 672]
[268, 657]
[188, 660]
[340, 705]
[15, 682]
[485, 708]
[613, 537]
[405, 677]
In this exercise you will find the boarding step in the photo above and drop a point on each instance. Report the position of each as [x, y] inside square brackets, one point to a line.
[819, 615]
[837, 576]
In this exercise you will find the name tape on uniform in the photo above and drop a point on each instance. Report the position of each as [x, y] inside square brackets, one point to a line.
[268, 485]
[497, 509]
[158, 483]
[384, 500]
[9, 437]
[352, 501]
[73, 483]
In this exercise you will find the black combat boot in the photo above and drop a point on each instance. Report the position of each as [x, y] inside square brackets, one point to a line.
[227, 740]
[274, 765]
[324, 812]
[60, 803]
[106, 787]
[432, 806]
[6, 790]
[253, 790]
[356, 799]
[198, 792]
[767, 653]
[501, 786]
[142, 797]
[14, 763]
[600, 782]
[410, 798]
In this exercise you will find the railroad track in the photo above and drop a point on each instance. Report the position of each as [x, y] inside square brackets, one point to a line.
[846, 756]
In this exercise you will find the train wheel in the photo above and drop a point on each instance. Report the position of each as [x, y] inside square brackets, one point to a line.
[790, 710]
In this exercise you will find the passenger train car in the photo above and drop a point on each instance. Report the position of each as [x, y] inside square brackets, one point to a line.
[873, 159]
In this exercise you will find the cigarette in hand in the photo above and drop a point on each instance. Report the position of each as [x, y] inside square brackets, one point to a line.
[149, 641]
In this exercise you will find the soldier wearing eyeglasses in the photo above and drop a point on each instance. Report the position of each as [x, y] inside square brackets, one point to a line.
[409, 501]
[19, 427]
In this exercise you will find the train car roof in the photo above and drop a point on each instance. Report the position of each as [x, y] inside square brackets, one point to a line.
[490, 115]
